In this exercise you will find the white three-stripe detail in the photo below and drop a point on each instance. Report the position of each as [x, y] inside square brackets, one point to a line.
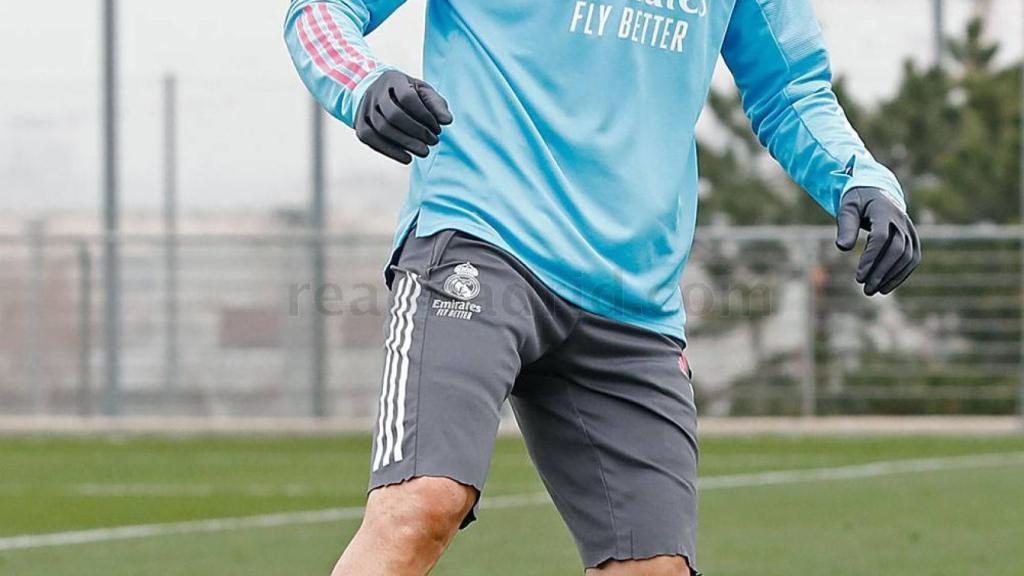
[391, 421]
[393, 364]
[392, 335]
[403, 376]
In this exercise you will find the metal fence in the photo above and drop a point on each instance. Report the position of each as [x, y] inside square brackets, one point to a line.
[235, 326]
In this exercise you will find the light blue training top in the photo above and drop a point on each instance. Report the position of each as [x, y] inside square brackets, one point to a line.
[573, 144]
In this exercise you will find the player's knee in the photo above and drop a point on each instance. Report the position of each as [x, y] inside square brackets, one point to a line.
[437, 506]
[421, 512]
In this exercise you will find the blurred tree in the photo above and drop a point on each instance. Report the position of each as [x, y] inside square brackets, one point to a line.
[951, 135]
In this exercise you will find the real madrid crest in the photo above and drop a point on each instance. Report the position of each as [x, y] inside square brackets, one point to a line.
[463, 284]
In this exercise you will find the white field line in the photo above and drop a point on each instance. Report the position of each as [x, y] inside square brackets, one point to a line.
[227, 524]
[871, 470]
[197, 490]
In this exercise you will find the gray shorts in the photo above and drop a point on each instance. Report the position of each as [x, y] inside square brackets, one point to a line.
[606, 409]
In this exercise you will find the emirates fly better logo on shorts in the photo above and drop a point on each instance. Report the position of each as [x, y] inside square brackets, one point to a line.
[463, 285]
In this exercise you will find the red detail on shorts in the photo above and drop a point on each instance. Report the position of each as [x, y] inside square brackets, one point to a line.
[684, 365]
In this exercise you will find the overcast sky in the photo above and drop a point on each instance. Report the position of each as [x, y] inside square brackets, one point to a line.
[244, 114]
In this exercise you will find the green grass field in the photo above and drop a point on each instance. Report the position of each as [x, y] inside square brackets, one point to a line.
[944, 517]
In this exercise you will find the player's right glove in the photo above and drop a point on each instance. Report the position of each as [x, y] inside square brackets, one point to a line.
[400, 115]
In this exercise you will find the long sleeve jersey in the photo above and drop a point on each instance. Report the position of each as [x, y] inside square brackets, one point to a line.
[573, 145]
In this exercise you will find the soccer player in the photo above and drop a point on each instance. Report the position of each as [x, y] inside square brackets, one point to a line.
[537, 259]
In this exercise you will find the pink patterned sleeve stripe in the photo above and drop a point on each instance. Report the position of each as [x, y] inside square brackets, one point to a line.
[327, 44]
[337, 35]
[318, 59]
[324, 53]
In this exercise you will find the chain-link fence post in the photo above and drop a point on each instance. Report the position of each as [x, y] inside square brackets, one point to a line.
[1020, 360]
[808, 381]
[84, 330]
[111, 215]
[37, 317]
[318, 261]
[939, 25]
[171, 352]
[1020, 393]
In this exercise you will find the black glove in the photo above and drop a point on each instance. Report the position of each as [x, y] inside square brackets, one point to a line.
[400, 115]
[893, 250]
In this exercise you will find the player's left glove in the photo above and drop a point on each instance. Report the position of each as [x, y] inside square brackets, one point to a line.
[893, 250]
[401, 115]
